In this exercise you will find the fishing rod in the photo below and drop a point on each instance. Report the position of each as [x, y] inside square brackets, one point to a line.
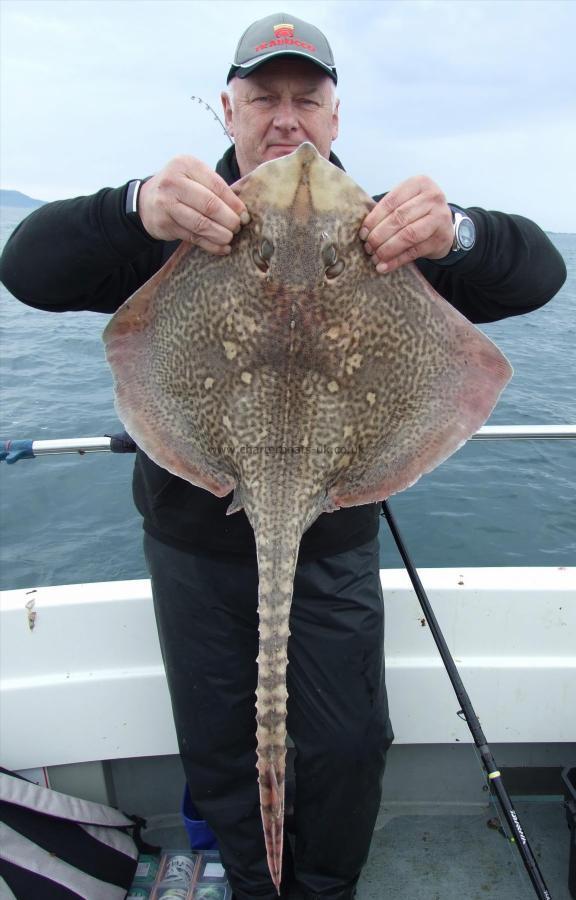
[494, 776]
[13, 451]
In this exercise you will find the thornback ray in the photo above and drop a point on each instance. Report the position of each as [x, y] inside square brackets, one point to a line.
[293, 374]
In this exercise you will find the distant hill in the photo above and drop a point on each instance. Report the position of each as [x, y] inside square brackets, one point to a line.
[16, 198]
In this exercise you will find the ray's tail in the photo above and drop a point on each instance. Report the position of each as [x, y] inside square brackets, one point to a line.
[276, 566]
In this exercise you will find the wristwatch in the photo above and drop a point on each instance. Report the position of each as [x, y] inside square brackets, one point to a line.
[131, 198]
[464, 230]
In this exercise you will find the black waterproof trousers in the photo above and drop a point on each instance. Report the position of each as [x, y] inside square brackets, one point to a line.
[206, 609]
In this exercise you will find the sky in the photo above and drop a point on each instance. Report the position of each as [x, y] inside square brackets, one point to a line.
[480, 95]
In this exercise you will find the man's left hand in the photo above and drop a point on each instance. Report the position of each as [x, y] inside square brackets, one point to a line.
[411, 221]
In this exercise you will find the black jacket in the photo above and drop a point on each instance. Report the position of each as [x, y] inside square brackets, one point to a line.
[84, 254]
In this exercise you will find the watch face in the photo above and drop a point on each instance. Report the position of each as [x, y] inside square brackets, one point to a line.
[466, 233]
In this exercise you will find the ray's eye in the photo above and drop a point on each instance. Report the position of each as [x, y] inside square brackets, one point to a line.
[263, 255]
[334, 266]
[266, 250]
[329, 255]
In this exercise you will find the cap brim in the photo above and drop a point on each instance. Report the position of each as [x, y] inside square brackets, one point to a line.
[242, 71]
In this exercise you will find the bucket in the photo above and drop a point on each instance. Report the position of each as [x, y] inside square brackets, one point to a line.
[200, 834]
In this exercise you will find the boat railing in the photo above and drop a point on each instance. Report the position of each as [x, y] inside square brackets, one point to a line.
[13, 451]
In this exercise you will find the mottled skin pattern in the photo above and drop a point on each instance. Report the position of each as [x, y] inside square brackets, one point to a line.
[294, 374]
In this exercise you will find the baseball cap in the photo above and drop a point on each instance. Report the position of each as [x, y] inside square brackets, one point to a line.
[281, 35]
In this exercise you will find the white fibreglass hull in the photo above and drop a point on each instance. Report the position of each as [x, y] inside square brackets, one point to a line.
[87, 681]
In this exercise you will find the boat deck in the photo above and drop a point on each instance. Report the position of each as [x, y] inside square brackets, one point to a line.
[441, 855]
[95, 647]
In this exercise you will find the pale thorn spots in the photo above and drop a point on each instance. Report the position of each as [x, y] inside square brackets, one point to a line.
[334, 332]
[208, 383]
[345, 461]
[246, 377]
[280, 693]
[353, 362]
[371, 398]
[333, 386]
[348, 431]
[230, 349]
[226, 422]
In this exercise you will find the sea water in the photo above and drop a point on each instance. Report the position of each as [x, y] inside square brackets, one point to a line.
[68, 519]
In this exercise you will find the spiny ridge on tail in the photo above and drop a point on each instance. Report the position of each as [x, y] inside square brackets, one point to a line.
[276, 565]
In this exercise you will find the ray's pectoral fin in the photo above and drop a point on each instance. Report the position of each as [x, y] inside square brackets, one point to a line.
[138, 312]
[151, 403]
[451, 383]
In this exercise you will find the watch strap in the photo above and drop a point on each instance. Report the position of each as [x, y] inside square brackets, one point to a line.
[131, 198]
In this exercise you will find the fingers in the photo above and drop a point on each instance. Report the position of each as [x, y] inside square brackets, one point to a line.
[200, 215]
[410, 222]
[412, 188]
[196, 229]
[400, 221]
[415, 239]
[188, 201]
[207, 191]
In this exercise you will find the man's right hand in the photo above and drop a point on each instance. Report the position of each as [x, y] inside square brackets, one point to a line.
[188, 201]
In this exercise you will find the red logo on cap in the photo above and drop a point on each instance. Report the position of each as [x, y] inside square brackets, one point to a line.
[284, 30]
[284, 36]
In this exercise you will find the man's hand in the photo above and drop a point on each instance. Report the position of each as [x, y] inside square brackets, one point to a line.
[188, 201]
[412, 221]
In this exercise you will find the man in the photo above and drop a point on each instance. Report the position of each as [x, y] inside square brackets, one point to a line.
[92, 253]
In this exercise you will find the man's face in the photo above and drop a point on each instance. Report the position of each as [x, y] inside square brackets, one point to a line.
[282, 104]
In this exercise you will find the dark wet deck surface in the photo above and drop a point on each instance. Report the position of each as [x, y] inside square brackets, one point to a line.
[436, 857]
[444, 855]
